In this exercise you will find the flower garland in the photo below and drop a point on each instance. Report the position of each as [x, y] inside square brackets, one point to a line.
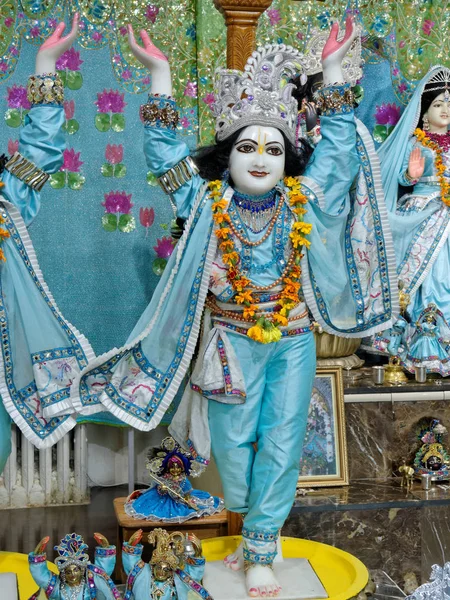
[4, 234]
[438, 163]
[267, 327]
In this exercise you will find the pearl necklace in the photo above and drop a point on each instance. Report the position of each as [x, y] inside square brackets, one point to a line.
[255, 211]
[272, 222]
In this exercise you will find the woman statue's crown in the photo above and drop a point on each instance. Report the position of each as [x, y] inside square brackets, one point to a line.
[262, 93]
[440, 81]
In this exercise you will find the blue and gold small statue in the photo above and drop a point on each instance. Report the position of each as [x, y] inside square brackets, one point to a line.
[175, 570]
[78, 578]
[171, 497]
[432, 458]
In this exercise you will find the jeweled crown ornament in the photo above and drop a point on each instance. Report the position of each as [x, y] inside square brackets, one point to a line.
[440, 81]
[262, 93]
[71, 551]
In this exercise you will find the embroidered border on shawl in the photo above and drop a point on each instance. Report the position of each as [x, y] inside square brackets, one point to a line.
[194, 585]
[51, 586]
[95, 570]
[136, 570]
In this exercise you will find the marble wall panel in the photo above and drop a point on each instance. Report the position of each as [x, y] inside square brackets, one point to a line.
[435, 534]
[369, 428]
[386, 539]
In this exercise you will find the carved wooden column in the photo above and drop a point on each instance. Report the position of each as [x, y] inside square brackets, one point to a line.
[241, 19]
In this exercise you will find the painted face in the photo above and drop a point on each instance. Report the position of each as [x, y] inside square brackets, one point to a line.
[257, 160]
[73, 574]
[438, 114]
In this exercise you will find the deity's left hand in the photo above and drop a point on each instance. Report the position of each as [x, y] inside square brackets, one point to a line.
[334, 51]
[54, 46]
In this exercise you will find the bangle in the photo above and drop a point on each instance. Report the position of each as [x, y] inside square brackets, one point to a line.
[45, 89]
[410, 180]
[334, 99]
[160, 112]
[27, 171]
[178, 175]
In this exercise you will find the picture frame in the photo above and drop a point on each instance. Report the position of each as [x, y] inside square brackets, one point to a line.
[324, 457]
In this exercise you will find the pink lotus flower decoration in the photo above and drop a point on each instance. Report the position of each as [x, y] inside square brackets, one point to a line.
[110, 101]
[387, 114]
[3, 66]
[146, 217]
[114, 153]
[17, 97]
[13, 146]
[97, 36]
[35, 32]
[164, 247]
[8, 21]
[69, 109]
[191, 89]
[152, 12]
[117, 202]
[209, 99]
[274, 16]
[69, 60]
[427, 26]
[72, 161]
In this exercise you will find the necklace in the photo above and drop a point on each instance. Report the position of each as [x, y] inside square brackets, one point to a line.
[426, 140]
[158, 592]
[272, 222]
[267, 327]
[441, 139]
[71, 592]
[256, 211]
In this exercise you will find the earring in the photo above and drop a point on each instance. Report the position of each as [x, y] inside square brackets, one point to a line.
[426, 124]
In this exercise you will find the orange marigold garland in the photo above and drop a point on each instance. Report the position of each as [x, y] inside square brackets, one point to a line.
[266, 328]
[438, 163]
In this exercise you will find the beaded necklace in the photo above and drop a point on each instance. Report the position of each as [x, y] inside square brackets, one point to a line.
[267, 327]
[256, 212]
[426, 140]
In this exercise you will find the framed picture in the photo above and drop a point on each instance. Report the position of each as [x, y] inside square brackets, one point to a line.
[324, 458]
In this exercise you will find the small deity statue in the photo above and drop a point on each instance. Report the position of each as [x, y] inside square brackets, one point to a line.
[407, 474]
[426, 346]
[175, 570]
[432, 458]
[78, 578]
[171, 497]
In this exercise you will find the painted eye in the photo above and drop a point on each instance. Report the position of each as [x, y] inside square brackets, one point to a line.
[246, 148]
[275, 151]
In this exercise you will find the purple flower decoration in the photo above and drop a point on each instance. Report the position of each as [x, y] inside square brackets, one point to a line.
[96, 36]
[191, 89]
[274, 16]
[152, 12]
[110, 101]
[164, 247]
[427, 26]
[35, 32]
[17, 97]
[3, 66]
[209, 99]
[185, 122]
[402, 87]
[13, 51]
[69, 60]
[146, 80]
[126, 74]
[72, 161]
[8, 21]
[387, 114]
[52, 23]
[123, 31]
[117, 202]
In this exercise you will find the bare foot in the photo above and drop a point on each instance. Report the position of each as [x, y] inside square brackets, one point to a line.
[235, 561]
[261, 582]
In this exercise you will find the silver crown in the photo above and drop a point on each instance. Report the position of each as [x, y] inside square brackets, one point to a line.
[71, 551]
[440, 81]
[262, 94]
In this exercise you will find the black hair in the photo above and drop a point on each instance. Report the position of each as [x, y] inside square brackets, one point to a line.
[212, 161]
[306, 90]
[427, 100]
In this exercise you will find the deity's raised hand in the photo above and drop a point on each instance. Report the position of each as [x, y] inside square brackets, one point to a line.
[334, 51]
[416, 164]
[40, 548]
[54, 46]
[101, 540]
[156, 62]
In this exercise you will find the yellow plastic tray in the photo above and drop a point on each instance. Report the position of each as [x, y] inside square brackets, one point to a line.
[342, 574]
[13, 562]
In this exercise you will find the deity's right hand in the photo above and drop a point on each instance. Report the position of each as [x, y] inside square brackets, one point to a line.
[156, 62]
[416, 164]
